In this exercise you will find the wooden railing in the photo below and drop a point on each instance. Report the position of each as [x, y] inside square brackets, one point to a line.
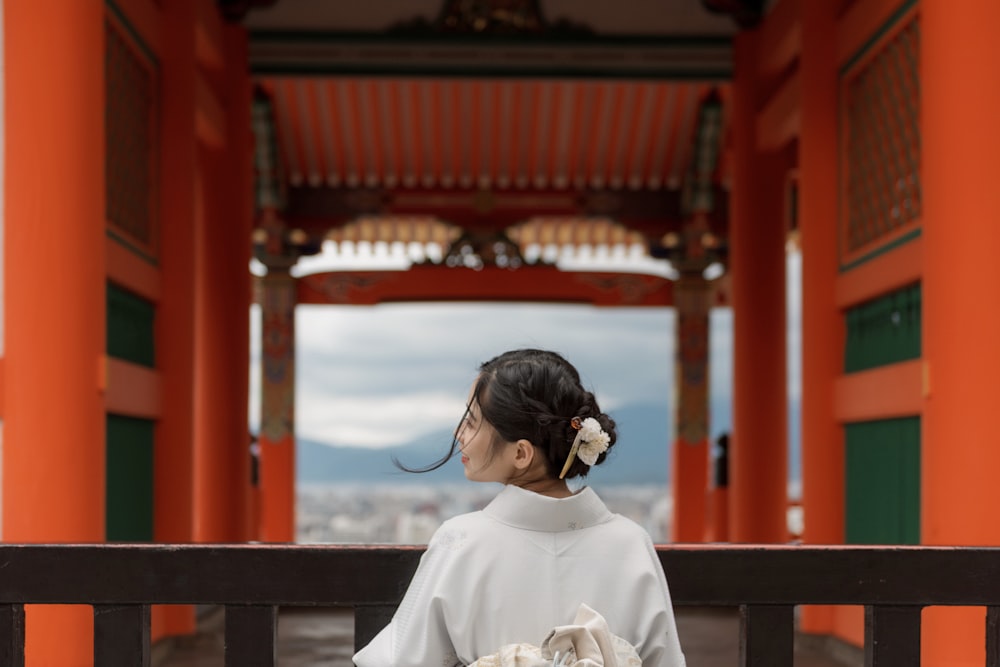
[253, 581]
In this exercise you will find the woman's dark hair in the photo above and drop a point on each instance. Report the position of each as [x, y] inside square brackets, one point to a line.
[533, 395]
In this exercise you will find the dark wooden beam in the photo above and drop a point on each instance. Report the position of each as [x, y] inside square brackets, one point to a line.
[299, 52]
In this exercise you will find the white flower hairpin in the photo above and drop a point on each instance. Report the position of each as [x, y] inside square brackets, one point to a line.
[590, 442]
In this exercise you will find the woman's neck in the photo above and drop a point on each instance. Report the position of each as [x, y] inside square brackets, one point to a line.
[553, 488]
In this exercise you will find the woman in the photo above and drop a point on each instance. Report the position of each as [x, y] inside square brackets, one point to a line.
[527, 562]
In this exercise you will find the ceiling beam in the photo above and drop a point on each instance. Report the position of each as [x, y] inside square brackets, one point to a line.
[304, 53]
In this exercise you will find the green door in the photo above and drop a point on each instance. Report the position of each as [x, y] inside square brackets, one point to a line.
[129, 501]
[882, 473]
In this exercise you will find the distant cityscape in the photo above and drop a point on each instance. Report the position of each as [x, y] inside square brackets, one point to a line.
[353, 495]
[344, 513]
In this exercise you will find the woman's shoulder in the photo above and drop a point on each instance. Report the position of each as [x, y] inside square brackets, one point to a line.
[622, 527]
[459, 531]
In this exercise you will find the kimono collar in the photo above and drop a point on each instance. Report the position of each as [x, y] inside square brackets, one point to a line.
[519, 508]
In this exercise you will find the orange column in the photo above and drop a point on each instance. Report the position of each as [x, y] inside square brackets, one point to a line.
[758, 455]
[54, 468]
[211, 481]
[175, 333]
[222, 467]
[822, 323]
[239, 213]
[961, 157]
[277, 434]
[690, 451]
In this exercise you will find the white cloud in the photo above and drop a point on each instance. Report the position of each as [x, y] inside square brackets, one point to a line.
[376, 422]
[381, 375]
[720, 353]
[377, 376]
[794, 336]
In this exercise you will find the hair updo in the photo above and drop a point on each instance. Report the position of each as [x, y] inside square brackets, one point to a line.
[534, 395]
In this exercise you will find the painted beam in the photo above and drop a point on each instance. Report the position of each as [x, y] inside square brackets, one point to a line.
[132, 271]
[439, 283]
[880, 393]
[887, 272]
[131, 389]
[780, 120]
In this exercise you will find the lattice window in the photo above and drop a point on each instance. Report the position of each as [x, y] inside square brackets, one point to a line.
[882, 102]
[130, 137]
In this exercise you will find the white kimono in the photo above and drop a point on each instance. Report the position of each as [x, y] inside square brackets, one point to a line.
[520, 567]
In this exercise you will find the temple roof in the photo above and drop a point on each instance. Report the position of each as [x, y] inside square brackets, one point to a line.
[432, 118]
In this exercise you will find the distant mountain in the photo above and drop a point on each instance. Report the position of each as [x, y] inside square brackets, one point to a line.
[639, 457]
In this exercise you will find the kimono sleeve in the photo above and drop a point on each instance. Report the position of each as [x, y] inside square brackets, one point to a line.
[417, 635]
[661, 647]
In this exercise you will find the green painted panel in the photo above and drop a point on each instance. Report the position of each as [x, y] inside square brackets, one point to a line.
[130, 327]
[882, 474]
[884, 331]
[129, 492]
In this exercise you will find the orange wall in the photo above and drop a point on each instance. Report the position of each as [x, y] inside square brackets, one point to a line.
[802, 103]
[53, 469]
[961, 325]
[58, 258]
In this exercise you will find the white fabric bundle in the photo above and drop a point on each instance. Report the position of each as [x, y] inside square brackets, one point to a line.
[587, 642]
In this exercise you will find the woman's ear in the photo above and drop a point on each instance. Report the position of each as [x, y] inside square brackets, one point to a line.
[524, 454]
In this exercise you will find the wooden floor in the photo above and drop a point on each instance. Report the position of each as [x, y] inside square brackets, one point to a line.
[322, 638]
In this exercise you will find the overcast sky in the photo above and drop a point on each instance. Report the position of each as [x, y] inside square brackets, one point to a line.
[377, 376]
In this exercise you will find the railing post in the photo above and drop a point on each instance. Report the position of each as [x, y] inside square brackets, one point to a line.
[121, 635]
[767, 635]
[12, 635]
[251, 635]
[892, 636]
[993, 637]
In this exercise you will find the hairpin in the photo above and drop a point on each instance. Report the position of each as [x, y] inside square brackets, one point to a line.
[590, 441]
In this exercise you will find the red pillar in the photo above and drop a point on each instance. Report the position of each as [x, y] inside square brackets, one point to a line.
[54, 278]
[239, 216]
[212, 488]
[277, 427]
[175, 317]
[822, 322]
[961, 157]
[222, 468]
[758, 455]
[690, 451]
